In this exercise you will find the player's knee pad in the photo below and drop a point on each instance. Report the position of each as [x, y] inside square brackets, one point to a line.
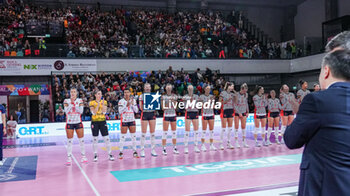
[257, 131]
[211, 134]
[164, 135]
[236, 133]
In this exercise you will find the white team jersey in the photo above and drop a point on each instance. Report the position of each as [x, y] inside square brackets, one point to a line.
[241, 106]
[301, 94]
[274, 105]
[12, 124]
[127, 113]
[229, 97]
[193, 97]
[260, 103]
[169, 111]
[286, 100]
[73, 110]
[204, 98]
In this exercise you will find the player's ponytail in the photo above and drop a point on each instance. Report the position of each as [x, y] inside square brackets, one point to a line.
[301, 82]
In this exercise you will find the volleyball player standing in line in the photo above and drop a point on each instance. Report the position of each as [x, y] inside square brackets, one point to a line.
[168, 102]
[191, 116]
[127, 108]
[287, 99]
[208, 118]
[303, 91]
[241, 114]
[227, 99]
[260, 102]
[148, 117]
[274, 107]
[98, 109]
[74, 107]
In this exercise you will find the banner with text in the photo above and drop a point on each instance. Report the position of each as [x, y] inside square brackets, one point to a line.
[17, 67]
[23, 90]
[58, 129]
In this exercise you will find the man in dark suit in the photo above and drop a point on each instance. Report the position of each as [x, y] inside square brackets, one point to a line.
[323, 126]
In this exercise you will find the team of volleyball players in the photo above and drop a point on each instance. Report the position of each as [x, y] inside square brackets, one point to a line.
[234, 111]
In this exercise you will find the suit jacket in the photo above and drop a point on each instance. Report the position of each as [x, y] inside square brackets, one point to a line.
[323, 126]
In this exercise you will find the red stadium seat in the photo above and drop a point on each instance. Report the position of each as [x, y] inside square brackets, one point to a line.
[37, 52]
[27, 52]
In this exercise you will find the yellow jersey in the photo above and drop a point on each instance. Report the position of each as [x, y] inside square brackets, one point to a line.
[99, 116]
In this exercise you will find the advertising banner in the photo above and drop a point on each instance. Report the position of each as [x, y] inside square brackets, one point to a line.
[23, 90]
[58, 129]
[17, 67]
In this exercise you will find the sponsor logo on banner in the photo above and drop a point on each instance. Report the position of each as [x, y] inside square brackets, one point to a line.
[37, 67]
[13, 64]
[32, 131]
[30, 66]
[59, 65]
[73, 65]
[2, 65]
[45, 66]
[152, 102]
[10, 65]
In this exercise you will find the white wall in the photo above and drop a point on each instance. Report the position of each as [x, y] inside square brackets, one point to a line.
[267, 19]
[308, 21]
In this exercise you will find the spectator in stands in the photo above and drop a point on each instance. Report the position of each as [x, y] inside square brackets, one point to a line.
[87, 113]
[289, 51]
[112, 115]
[221, 49]
[294, 50]
[208, 73]
[11, 127]
[94, 33]
[257, 50]
[60, 116]
[45, 116]
[27, 45]
[70, 54]
[22, 116]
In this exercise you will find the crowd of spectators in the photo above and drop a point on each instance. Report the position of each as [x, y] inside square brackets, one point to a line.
[133, 33]
[157, 34]
[18, 21]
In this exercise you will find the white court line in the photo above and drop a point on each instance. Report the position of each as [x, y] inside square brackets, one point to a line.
[85, 175]
[4, 160]
[253, 187]
[272, 192]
